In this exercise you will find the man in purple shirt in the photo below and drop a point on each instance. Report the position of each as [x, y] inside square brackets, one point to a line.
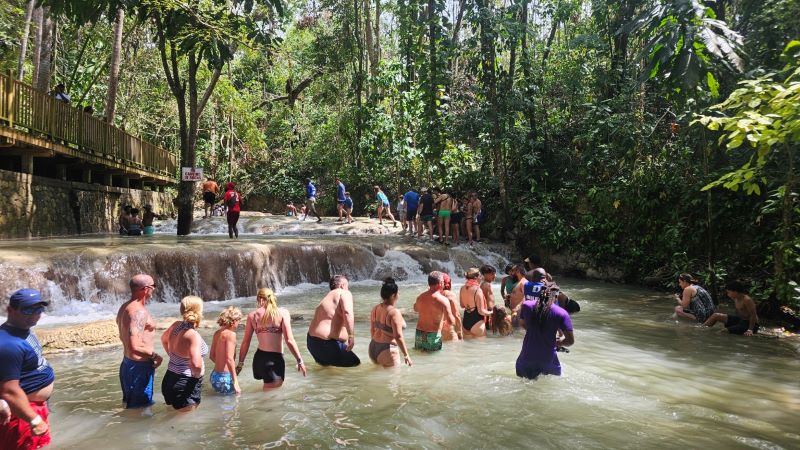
[543, 320]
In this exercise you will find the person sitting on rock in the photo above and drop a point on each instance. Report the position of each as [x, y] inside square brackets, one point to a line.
[746, 319]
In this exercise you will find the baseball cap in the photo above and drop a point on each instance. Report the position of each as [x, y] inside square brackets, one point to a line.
[26, 297]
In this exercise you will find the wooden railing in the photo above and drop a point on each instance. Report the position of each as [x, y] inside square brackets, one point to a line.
[23, 106]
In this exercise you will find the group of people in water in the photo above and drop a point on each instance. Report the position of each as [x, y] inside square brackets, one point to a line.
[131, 223]
[531, 300]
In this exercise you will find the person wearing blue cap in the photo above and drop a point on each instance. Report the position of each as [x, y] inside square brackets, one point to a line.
[26, 379]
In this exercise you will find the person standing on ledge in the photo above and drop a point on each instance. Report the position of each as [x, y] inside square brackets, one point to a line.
[547, 328]
[746, 319]
[233, 201]
[340, 198]
[383, 205]
[210, 192]
[137, 332]
[331, 334]
[434, 309]
[26, 379]
[311, 200]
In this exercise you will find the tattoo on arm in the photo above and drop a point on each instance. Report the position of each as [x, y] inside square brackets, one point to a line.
[138, 322]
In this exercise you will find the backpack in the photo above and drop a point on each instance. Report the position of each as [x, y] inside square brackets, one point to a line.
[233, 200]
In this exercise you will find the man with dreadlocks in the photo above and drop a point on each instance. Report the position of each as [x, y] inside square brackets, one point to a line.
[542, 319]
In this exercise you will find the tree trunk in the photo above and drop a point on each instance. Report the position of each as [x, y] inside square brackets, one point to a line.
[113, 76]
[372, 61]
[23, 47]
[38, 20]
[359, 86]
[377, 34]
[46, 53]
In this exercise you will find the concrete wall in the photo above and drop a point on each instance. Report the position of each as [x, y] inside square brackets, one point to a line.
[33, 206]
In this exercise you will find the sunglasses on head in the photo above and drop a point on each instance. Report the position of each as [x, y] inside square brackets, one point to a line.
[31, 310]
[151, 286]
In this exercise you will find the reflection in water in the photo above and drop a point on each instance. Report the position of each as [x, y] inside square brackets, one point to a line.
[634, 379]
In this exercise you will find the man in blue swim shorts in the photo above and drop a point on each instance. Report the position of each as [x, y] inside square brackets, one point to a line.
[330, 338]
[137, 332]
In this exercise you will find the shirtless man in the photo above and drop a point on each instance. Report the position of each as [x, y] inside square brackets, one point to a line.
[489, 274]
[433, 308]
[137, 332]
[331, 337]
[746, 319]
[210, 192]
[445, 204]
[124, 220]
[474, 217]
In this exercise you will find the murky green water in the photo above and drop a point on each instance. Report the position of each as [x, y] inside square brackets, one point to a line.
[634, 379]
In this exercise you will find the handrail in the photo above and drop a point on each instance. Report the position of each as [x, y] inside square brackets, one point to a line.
[23, 106]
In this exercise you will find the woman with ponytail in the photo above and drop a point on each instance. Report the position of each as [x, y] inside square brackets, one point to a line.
[547, 328]
[272, 326]
[183, 381]
[386, 327]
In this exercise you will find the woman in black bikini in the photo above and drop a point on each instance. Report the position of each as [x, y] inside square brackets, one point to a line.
[386, 327]
[474, 304]
[272, 326]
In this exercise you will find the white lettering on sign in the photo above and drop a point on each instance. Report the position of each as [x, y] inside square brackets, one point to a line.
[191, 174]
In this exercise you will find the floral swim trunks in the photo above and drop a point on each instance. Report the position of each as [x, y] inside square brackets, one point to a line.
[222, 382]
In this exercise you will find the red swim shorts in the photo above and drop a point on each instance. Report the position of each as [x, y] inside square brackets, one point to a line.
[17, 434]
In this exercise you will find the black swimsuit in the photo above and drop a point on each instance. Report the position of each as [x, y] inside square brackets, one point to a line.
[471, 315]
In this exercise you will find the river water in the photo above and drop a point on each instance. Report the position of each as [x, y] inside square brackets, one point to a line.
[634, 379]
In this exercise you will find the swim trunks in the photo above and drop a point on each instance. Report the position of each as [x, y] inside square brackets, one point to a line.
[17, 433]
[428, 341]
[411, 214]
[376, 348]
[331, 352]
[444, 213]
[737, 325]
[455, 218]
[427, 218]
[209, 197]
[269, 366]
[149, 230]
[136, 379]
[181, 391]
[222, 382]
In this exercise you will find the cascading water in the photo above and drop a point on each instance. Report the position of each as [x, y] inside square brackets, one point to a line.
[87, 278]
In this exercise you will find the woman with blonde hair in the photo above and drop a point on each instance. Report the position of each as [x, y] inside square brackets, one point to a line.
[224, 378]
[183, 381]
[272, 326]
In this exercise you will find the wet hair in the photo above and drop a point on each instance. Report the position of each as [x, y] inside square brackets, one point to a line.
[736, 286]
[308, 180]
[537, 274]
[508, 268]
[127, 208]
[434, 278]
[270, 305]
[229, 316]
[447, 281]
[192, 309]
[500, 323]
[134, 211]
[487, 269]
[336, 281]
[388, 289]
[520, 269]
[687, 277]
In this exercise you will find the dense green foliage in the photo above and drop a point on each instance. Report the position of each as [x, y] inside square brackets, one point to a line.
[572, 118]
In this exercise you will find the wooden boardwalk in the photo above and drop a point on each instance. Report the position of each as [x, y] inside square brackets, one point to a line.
[34, 124]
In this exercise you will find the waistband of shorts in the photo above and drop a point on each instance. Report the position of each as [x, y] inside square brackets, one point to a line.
[270, 353]
[147, 362]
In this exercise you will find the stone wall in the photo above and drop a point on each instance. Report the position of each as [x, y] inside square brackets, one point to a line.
[33, 206]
